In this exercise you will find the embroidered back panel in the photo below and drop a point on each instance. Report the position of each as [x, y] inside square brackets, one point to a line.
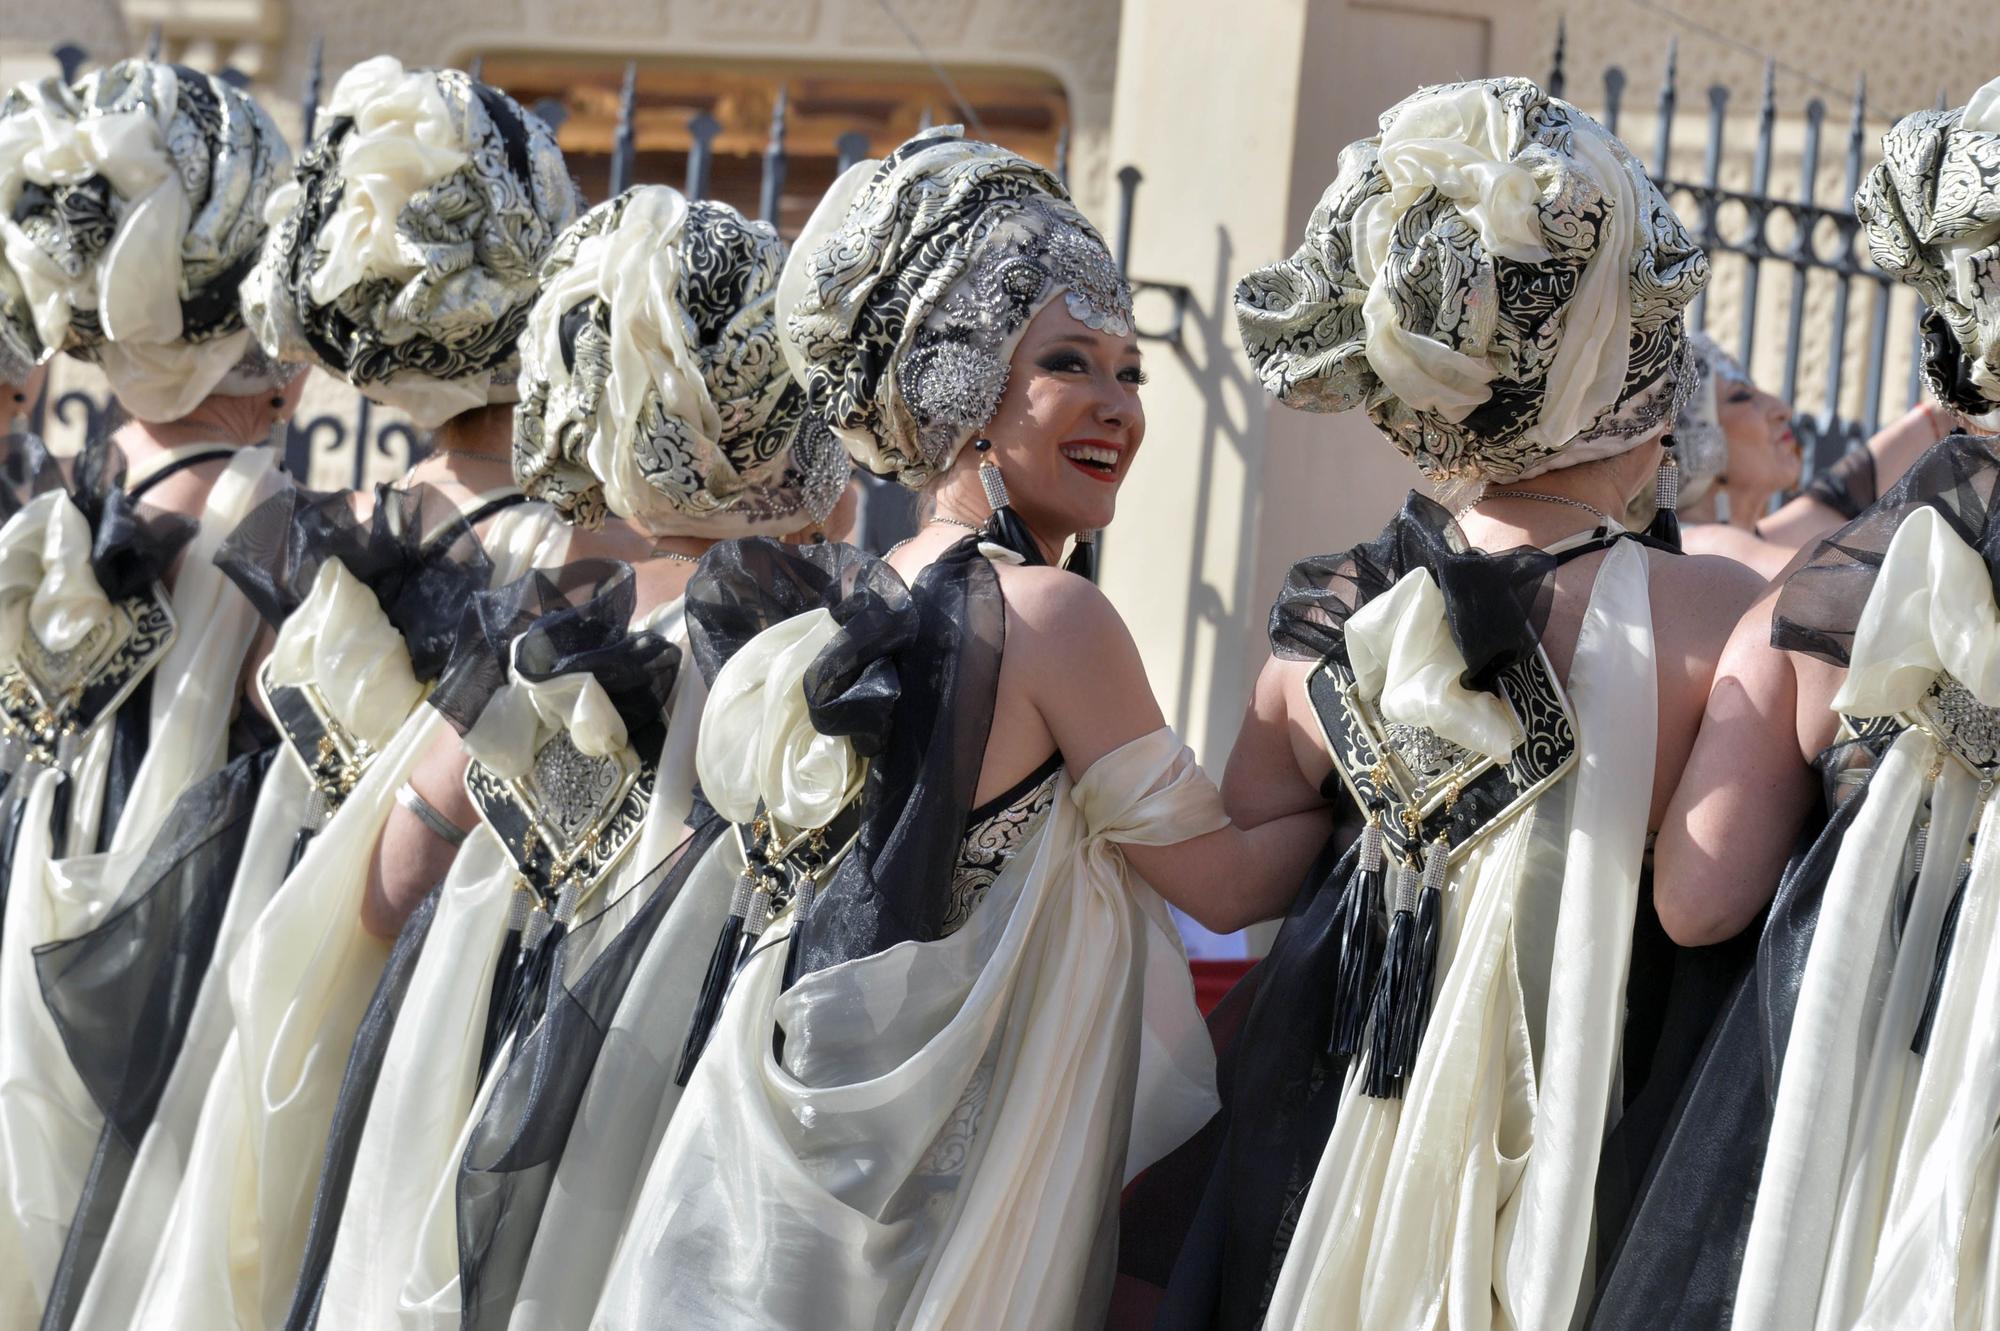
[1429, 788]
[48, 696]
[571, 818]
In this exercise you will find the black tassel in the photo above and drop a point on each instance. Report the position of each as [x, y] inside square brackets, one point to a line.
[1382, 1079]
[300, 841]
[721, 969]
[526, 996]
[1362, 922]
[498, 996]
[59, 817]
[1920, 1043]
[1666, 528]
[1005, 526]
[1413, 1004]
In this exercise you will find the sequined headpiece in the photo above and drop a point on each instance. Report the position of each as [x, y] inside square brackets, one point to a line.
[131, 206]
[913, 281]
[1493, 279]
[403, 254]
[651, 380]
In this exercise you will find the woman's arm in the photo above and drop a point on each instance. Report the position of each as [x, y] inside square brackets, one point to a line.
[1085, 677]
[1743, 795]
[411, 859]
[1895, 446]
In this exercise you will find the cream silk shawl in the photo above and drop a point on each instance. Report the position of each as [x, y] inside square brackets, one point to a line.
[1876, 1202]
[213, 1225]
[48, 1121]
[1467, 1203]
[943, 1143]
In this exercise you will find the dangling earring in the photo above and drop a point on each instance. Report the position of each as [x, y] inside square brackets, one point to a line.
[1082, 559]
[1005, 526]
[1666, 524]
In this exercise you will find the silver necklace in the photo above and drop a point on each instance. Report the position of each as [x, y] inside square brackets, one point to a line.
[676, 556]
[1602, 517]
[934, 522]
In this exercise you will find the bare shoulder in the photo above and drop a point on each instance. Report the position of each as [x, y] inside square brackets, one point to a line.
[1717, 585]
[1712, 539]
[1046, 601]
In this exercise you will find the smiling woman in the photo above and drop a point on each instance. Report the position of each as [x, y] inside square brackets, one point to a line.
[982, 998]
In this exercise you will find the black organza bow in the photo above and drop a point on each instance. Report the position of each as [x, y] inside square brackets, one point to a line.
[1820, 605]
[1496, 604]
[909, 681]
[415, 552]
[130, 548]
[576, 619]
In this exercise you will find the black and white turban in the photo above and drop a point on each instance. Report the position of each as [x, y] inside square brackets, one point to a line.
[403, 254]
[1931, 210]
[1493, 279]
[131, 209]
[913, 281]
[652, 383]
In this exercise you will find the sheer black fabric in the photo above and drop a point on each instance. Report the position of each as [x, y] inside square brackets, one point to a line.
[350, 1110]
[1496, 604]
[123, 994]
[1676, 1261]
[131, 546]
[414, 551]
[1820, 606]
[1849, 486]
[517, 1145]
[559, 622]
[910, 680]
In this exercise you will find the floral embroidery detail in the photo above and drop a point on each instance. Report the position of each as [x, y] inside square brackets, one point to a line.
[989, 844]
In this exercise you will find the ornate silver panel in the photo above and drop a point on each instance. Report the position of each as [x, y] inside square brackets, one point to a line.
[571, 818]
[333, 758]
[47, 696]
[1430, 788]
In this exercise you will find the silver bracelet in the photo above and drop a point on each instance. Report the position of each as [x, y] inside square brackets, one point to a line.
[445, 828]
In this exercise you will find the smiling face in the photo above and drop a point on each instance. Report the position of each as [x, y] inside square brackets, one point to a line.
[1763, 451]
[1069, 426]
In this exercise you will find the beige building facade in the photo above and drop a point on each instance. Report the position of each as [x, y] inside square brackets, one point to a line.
[1233, 113]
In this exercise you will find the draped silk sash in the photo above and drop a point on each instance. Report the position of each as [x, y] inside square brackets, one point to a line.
[1467, 1204]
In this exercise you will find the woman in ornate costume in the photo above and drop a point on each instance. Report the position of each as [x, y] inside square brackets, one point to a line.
[653, 389]
[133, 205]
[952, 775]
[1736, 451]
[365, 594]
[1419, 1079]
[1832, 1165]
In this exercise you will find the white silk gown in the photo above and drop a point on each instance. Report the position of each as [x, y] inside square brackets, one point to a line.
[213, 1225]
[1876, 1204]
[943, 1142]
[395, 1256]
[48, 1121]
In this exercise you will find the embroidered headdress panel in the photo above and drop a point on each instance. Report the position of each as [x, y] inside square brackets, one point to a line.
[1700, 447]
[1931, 210]
[652, 384]
[905, 295]
[403, 254]
[131, 208]
[1493, 279]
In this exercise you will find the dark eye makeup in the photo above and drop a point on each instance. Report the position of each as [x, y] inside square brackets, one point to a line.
[1070, 362]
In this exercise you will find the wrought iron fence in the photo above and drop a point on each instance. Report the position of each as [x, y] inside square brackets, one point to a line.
[1751, 232]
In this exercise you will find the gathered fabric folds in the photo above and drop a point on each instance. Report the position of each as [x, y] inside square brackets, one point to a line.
[1468, 1202]
[49, 1122]
[214, 1223]
[943, 1141]
[394, 1260]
